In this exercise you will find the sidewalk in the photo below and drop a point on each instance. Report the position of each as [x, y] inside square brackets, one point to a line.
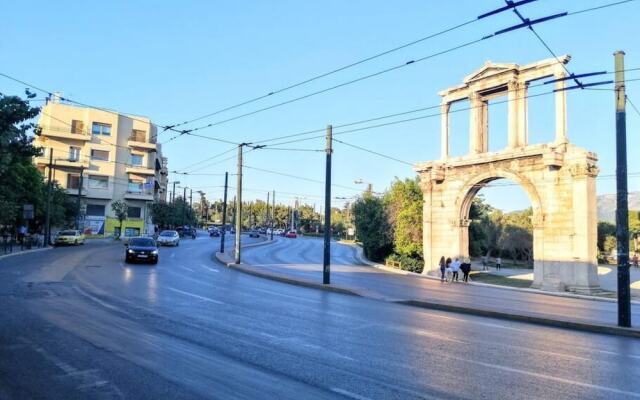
[567, 312]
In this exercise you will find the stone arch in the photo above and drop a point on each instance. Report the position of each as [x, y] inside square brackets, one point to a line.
[558, 177]
[475, 183]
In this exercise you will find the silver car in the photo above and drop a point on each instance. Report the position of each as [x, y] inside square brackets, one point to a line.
[168, 238]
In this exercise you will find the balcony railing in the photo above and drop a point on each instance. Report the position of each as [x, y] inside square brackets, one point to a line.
[69, 132]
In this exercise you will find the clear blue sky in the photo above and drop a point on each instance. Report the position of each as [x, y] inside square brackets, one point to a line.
[173, 61]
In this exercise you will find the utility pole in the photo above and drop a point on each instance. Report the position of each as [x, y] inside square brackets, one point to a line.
[622, 206]
[47, 227]
[224, 213]
[273, 212]
[239, 205]
[266, 220]
[79, 196]
[326, 263]
[173, 200]
[184, 205]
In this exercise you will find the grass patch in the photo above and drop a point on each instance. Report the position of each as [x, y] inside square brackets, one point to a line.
[499, 280]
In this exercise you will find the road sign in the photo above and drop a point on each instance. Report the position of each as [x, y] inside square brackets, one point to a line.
[351, 232]
[28, 211]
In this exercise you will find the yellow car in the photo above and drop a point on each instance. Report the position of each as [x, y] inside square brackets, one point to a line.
[69, 237]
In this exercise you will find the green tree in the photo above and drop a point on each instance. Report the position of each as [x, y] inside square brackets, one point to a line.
[120, 209]
[372, 227]
[605, 230]
[163, 214]
[403, 204]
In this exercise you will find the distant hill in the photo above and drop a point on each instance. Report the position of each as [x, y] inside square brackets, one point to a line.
[607, 205]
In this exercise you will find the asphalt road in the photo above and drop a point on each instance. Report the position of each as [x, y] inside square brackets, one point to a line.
[302, 257]
[78, 323]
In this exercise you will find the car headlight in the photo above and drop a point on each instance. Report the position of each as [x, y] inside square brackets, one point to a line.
[154, 252]
[130, 251]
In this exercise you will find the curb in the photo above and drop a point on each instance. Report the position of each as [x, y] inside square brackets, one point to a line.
[25, 252]
[292, 281]
[360, 256]
[558, 323]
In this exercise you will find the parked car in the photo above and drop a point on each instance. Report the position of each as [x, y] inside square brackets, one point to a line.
[169, 238]
[262, 231]
[214, 232]
[69, 237]
[141, 249]
[291, 234]
[254, 234]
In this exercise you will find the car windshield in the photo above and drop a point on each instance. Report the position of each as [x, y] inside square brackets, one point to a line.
[146, 242]
[168, 233]
[67, 233]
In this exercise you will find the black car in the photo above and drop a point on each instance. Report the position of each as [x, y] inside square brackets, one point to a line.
[141, 249]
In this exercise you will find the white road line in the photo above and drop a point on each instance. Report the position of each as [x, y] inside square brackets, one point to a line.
[550, 377]
[348, 394]
[209, 268]
[172, 255]
[195, 296]
[97, 300]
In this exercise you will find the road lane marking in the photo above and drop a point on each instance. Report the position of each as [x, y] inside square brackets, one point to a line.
[348, 394]
[209, 268]
[195, 296]
[549, 377]
[97, 300]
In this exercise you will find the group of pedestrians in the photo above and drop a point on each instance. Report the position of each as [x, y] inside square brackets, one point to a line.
[450, 269]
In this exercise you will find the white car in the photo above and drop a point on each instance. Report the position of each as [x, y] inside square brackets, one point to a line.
[69, 237]
[168, 238]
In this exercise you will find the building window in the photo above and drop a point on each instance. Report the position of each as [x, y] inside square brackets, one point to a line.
[138, 135]
[99, 155]
[134, 212]
[96, 210]
[136, 159]
[98, 182]
[99, 128]
[73, 181]
[77, 126]
[135, 186]
[74, 153]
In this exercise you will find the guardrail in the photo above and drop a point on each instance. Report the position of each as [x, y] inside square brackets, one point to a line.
[9, 244]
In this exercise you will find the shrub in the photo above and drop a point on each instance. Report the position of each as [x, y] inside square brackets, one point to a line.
[410, 264]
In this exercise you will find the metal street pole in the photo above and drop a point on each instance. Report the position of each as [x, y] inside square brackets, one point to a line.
[47, 227]
[266, 220]
[326, 262]
[239, 205]
[622, 206]
[191, 202]
[184, 204]
[79, 196]
[173, 200]
[224, 213]
[273, 212]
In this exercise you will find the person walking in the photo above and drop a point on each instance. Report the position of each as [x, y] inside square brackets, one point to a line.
[443, 267]
[485, 261]
[498, 263]
[455, 269]
[447, 268]
[466, 269]
[22, 232]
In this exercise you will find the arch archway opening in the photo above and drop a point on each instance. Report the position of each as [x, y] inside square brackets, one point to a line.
[500, 213]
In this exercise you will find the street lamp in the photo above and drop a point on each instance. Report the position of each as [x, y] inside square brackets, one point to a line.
[369, 185]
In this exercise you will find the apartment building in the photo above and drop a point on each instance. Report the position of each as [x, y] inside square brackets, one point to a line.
[103, 157]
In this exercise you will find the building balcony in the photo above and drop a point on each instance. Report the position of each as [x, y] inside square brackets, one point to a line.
[145, 195]
[140, 144]
[64, 133]
[140, 170]
[58, 163]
